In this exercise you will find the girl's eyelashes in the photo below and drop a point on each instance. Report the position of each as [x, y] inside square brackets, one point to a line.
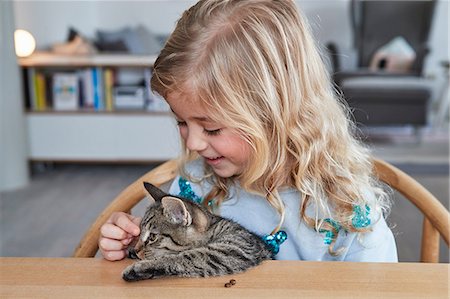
[207, 132]
[212, 132]
[181, 123]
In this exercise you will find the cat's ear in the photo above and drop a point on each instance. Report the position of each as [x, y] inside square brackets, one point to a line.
[176, 211]
[155, 193]
[200, 220]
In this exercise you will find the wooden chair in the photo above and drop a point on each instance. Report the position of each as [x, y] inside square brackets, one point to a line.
[436, 217]
[436, 220]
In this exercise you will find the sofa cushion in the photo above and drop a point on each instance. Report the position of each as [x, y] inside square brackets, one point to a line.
[410, 89]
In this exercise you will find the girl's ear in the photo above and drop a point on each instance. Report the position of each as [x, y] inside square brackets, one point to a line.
[176, 211]
[155, 193]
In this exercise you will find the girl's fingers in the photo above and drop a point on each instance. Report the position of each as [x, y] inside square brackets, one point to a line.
[110, 245]
[127, 241]
[136, 220]
[114, 255]
[116, 234]
[111, 231]
[125, 222]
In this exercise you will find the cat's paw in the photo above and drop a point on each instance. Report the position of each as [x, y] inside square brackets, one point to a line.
[129, 274]
[136, 272]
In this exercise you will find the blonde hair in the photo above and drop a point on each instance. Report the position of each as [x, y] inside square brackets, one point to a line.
[254, 66]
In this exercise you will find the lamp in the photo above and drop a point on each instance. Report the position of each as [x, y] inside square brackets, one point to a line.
[24, 43]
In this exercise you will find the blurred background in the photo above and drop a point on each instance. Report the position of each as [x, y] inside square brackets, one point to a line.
[78, 121]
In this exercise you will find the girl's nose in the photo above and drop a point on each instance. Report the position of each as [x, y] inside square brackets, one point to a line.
[195, 141]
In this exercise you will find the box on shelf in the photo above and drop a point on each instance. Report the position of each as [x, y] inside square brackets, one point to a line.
[129, 97]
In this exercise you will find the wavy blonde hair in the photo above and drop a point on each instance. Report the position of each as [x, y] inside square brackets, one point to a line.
[254, 66]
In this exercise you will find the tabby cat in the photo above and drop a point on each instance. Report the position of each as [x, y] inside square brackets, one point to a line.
[181, 238]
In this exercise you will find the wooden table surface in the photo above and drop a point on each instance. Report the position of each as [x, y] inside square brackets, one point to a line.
[97, 278]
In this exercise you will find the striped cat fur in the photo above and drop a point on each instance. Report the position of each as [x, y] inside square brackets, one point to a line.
[181, 238]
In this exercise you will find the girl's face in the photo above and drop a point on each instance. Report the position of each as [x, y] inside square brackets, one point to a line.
[222, 148]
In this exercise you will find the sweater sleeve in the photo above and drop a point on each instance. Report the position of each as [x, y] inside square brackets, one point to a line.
[377, 245]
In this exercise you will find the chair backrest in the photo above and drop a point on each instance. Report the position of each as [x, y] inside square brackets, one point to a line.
[436, 217]
[375, 23]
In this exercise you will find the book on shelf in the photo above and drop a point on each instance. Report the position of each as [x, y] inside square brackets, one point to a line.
[87, 89]
[108, 84]
[41, 92]
[65, 91]
[97, 79]
[31, 88]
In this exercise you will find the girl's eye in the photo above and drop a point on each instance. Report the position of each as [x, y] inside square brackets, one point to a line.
[213, 132]
[181, 123]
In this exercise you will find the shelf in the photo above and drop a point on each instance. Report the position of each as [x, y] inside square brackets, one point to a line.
[105, 137]
[101, 112]
[47, 59]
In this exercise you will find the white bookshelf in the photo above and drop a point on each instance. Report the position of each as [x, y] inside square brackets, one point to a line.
[99, 136]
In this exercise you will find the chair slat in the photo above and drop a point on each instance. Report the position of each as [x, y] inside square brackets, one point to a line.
[430, 243]
[429, 205]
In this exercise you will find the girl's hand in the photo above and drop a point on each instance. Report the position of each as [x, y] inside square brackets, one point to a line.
[116, 234]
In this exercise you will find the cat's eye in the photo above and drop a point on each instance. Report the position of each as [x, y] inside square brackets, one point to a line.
[152, 238]
[149, 238]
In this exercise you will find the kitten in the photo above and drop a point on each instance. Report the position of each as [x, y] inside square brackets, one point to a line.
[181, 238]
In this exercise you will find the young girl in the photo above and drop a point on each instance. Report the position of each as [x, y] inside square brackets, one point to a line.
[267, 142]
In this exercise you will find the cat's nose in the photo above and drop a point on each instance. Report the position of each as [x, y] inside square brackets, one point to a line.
[132, 254]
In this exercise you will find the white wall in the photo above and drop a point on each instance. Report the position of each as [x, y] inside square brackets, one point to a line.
[13, 135]
[48, 22]
[439, 38]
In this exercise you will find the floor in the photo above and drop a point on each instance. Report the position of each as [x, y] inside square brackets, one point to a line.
[49, 217]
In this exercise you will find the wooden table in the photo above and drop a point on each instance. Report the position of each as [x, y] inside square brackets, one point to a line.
[97, 278]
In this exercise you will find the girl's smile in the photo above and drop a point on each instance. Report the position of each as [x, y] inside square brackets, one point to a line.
[213, 161]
